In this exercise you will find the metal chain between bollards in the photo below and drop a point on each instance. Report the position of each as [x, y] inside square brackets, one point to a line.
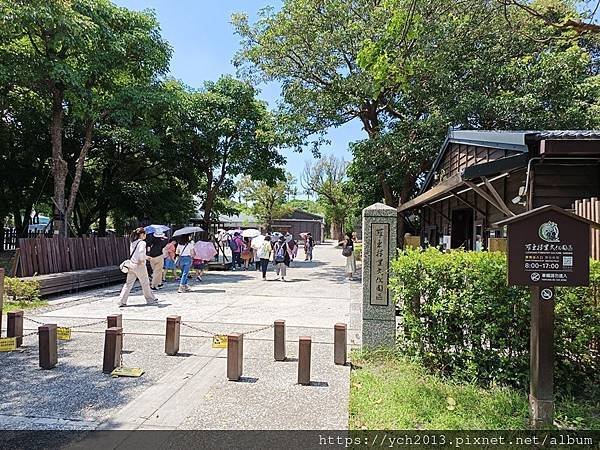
[89, 324]
[198, 329]
[34, 321]
[258, 329]
[210, 333]
[73, 326]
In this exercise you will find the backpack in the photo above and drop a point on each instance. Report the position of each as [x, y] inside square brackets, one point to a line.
[233, 245]
[347, 251]
[280, 254]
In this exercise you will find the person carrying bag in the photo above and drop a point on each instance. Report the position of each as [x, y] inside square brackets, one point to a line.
[135, 268]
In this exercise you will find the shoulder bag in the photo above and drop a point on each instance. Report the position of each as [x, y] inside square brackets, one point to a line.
[127, 265]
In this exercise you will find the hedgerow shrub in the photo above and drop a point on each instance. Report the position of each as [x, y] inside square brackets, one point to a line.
[459, 318]
[16, 289]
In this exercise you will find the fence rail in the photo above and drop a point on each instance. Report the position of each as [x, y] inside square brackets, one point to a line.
[589, 208]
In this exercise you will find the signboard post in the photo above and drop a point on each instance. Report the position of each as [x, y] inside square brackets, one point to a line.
[547, 247]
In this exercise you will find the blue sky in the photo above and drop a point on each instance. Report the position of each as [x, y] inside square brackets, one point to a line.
[204, 43]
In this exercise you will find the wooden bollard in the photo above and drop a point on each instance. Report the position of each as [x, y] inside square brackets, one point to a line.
[235, 356]
[14, 326]
[172, 335]
[48, 345]
[112, 349]
[339, 344]
[279, 340]
[115, 321]
[1, 297]
[304, 360]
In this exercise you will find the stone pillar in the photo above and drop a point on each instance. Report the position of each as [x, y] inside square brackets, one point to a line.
[379, 248]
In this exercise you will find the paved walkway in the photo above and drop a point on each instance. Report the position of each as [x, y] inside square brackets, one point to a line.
[190, 391]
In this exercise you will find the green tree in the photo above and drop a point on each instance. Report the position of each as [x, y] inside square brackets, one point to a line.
[327, 178]
[268, 201]
[225, 132]
[86, 57]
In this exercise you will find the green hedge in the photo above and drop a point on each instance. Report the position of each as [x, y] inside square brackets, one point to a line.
[459, 318]
[16, 289]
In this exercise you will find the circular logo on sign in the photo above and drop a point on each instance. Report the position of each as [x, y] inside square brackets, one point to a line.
[547, 294]
[549, 231]
[535, 276]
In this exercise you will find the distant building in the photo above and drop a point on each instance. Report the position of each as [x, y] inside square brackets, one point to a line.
[295, 223]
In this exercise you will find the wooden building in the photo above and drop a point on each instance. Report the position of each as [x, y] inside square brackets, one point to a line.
[481, 177]
[302, 222]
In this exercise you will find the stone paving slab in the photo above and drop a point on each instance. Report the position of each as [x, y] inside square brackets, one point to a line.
[270, 398]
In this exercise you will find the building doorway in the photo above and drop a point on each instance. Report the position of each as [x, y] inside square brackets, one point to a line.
[461, 234]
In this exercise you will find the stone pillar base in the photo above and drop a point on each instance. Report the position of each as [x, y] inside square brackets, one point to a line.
[541, 412]
[378, 333]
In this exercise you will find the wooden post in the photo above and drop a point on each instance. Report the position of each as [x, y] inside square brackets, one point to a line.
[304, 360]
[48, 344]
[279, 340]
[115, 321]
[340, 344]
[235, 356]
[541, 399]
[172, 335]
[1, 297]
[14, 326]
[112, 349]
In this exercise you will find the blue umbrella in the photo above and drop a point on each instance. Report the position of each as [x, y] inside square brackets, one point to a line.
[151, 229]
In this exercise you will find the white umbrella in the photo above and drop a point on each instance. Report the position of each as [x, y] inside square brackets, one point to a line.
[250, 233]
[232, 232]
[258, 241]
[187, 230]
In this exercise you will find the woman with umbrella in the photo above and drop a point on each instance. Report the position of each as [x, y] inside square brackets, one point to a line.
[184, 255]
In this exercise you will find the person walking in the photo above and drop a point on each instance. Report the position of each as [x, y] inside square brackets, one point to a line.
[137, 269]
[169, 253]
[184, 260]
[156, 244]
[281, 257]
[348, 252]
[309, 244]
[247, 253]
[198, 264]
[235, 244]
[264, 255]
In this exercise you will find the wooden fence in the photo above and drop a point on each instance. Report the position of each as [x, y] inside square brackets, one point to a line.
[590, 209]
[42, 256]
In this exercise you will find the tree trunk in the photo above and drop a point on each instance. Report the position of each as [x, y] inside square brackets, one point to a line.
[59, 165]
[208, 205]
[336, 230]
[87, 145]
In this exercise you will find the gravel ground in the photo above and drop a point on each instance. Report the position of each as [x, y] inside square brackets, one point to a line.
[76, 390]
[269, 398]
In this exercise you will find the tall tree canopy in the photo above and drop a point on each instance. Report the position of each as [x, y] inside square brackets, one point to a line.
[268, 200]
[87, 58]
[224, 131]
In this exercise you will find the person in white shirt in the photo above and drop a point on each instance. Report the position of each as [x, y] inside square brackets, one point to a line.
[264, 255]
[184, 260]
[137, 270]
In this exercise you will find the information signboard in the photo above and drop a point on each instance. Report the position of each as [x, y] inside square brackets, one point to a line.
[548, 247]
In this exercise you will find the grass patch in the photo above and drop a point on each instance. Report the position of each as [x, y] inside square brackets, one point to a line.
[23, 304]
[388, 392]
